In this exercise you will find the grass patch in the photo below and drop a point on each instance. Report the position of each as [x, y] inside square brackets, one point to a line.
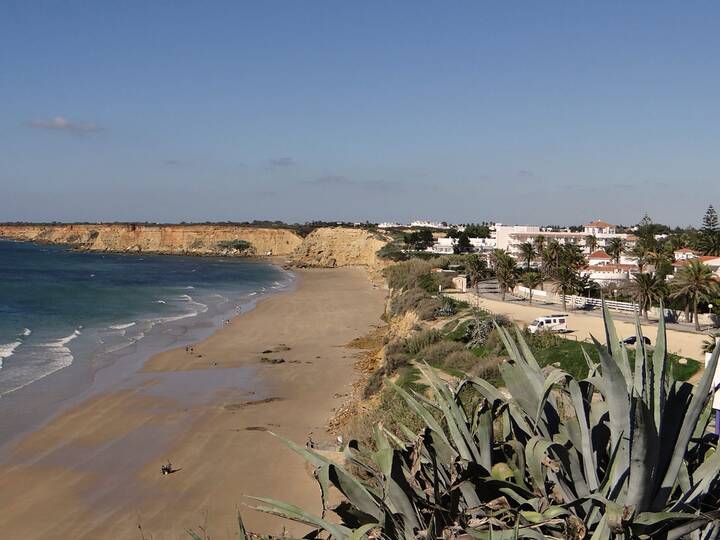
[570, 357]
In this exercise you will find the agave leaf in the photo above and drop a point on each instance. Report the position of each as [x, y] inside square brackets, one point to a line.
[343, 480]
[361, 532]
[602, 531]
[640, 376]
[421, 411]
[614, 347]
[659, 367]
[614, 389]
[242, 533]
[703, 477]
[456, 420]
[700, 397]
[295, 513]
[506, 534]
[528, 355]
[397, 489]
[644, 452]
[553, 378]
[589, 464]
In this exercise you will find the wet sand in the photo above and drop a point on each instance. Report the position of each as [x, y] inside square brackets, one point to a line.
[93, 471]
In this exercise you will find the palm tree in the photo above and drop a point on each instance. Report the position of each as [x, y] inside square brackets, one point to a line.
[567, 281]
[647, 289]
[477, 269]
[591, 242]
[531, 280]
[551, 256]
[505, 271]
[529, 253]
[694, 282]
[615, 248]
[539, 243]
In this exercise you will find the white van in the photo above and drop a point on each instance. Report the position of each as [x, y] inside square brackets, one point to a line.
[549, 323]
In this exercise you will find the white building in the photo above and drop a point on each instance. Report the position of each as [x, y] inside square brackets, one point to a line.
[388, 225]
[446, 246]
[429, 224]
[510, 237]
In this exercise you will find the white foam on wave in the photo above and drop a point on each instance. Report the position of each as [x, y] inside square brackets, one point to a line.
[121, 326]
[55, 356]
[7, 350]
[160, 302]
[26, 332]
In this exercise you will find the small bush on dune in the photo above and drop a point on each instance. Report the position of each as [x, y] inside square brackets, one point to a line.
[416, 300]
[462, 360]
[436, 353]
[418, 342]
[405, 275]
[396, 356]
[374, 383]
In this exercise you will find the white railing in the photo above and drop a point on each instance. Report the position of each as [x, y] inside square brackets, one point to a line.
[578, 301]
[582, 301]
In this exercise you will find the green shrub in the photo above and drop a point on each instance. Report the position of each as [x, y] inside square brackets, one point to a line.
[392, 252]
[632, 460]
[419, 341]
[235, 245]
[374, 383]
[405, 275]
[436, 353]
[416, 300]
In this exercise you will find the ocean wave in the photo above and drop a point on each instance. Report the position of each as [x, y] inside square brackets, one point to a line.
[160, 302]
[26, 332]
[60, 343]
[7, 350]
[189, 287]
[56, 356]
[121, 326]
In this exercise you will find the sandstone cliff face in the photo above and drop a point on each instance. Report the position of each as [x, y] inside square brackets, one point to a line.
[325, 247]
[336, 246]
[171, 239]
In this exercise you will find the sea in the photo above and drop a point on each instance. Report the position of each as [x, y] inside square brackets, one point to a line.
[67, 314]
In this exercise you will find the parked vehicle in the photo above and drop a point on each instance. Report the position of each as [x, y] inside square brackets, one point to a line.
[632, 340]
[550, 323]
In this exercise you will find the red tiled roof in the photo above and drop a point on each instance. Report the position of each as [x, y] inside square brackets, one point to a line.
[702, 259]
[611, 268]
[685, 250]
[598, 223]
[599, 254]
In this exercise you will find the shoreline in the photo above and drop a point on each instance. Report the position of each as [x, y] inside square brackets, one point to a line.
[94, 370]
[93, 471]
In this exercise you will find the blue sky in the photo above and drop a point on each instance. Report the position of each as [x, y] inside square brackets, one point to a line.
[546, 112]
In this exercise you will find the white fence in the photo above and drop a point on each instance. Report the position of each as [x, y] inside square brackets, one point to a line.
[577, 301]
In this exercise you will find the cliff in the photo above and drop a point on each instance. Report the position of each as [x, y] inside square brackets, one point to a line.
[170, 239]
[336, 246]
[325, 247]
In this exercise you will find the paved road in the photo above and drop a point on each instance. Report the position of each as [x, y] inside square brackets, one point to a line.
[584, 324]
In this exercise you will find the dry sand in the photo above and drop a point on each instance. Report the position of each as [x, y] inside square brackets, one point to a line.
[93, 471]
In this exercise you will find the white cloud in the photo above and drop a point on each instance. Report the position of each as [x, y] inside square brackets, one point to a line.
[60, 123]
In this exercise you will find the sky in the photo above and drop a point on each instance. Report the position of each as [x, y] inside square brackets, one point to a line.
[516, 112]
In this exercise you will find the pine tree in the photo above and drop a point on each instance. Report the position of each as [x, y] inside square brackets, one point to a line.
[710, 221]
[710, 233]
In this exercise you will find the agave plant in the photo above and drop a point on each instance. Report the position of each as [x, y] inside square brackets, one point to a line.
[621, 454]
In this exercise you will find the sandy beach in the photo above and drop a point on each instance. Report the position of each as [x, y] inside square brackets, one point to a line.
[94, 471]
